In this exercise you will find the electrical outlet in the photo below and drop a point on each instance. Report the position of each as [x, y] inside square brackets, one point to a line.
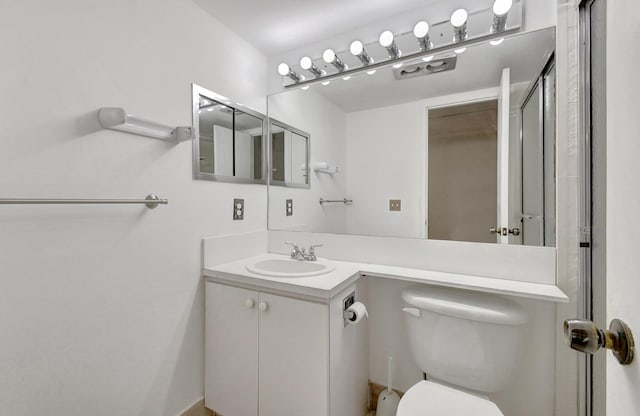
[395, 205]
[289, 207]
[238, 209]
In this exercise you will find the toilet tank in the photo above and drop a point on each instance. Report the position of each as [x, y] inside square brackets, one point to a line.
[464, 338]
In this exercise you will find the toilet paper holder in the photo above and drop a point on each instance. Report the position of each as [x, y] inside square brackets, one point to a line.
[348, 316]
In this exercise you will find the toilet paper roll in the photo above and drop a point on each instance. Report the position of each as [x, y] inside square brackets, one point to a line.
[356, 312]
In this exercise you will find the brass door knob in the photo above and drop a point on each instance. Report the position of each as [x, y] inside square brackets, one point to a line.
[514, 231]
[585, 336]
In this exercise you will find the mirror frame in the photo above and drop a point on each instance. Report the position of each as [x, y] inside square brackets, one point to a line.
[273, 121]
[196, 92]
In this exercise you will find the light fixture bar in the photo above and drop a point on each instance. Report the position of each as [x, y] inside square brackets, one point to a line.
[464, 34]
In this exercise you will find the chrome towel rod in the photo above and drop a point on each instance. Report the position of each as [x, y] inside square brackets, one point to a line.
[341, 201]
[151, 201]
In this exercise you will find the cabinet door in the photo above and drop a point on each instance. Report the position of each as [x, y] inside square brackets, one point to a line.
[294, 356]
[231, 350]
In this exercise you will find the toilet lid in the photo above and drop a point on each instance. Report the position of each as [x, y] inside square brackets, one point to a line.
[427, 398]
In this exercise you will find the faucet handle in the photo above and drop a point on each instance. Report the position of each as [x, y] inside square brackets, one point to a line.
[313, 246]
[291, 243]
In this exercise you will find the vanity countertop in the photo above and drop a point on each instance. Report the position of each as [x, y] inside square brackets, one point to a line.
[324, 287]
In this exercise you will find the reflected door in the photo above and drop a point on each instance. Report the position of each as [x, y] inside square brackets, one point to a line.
[538, 160]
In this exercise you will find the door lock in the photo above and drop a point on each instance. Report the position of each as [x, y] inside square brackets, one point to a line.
[585, 336]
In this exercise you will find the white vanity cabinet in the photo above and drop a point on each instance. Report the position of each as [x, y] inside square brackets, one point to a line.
[266, 355]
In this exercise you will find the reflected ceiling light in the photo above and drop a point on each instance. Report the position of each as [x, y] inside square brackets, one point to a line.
[459, 23]
[285, 71]
[428, 58]
[459, 51]
[357, 50]
[307, 64]
[347, 78]
[398, 65]
[306, 87]
[500, 11]
[387, 42]
[496, 42]
[326, 83]
[421, 32]
[373, 71]
[330, 57]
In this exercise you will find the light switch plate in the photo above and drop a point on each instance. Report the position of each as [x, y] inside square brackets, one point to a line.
[395, 205]
[238, 209]
[289, 210]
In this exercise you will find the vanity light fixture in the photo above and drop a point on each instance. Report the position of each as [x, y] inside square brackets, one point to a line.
[307, 64]
[459, 23]
[285, 71]
[500, 11]
[357, 50]
[421, 32]
[330, 57]
[387, 42]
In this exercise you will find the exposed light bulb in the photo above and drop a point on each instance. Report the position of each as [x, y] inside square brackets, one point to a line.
[459, 18]
[306, 63]
[427, 58]
[356, 47]
[502, 7]
[328, 56]
[496, 42]
[283, 69]
[386, 38]
[421, 29]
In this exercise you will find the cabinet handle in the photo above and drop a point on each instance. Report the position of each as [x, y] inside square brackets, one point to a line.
[249, 303]
[263, 306]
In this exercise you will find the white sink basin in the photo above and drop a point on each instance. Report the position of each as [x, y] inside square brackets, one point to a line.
[287, 268]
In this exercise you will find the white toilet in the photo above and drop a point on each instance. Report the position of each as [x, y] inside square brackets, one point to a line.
[467, 343]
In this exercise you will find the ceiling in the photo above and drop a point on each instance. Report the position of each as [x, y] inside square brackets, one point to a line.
[277, 26]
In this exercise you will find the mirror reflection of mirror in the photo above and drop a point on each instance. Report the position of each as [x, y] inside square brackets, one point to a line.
[229, 142]
[451, 146]
[289, 156]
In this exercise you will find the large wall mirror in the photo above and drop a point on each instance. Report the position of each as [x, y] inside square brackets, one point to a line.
[457, 146]
[229, 143]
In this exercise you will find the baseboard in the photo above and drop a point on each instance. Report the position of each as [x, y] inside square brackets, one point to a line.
[197, 409]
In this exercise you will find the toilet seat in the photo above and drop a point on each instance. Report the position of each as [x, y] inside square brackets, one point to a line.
[427, 398]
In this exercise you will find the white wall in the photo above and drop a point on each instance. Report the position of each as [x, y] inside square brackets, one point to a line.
[326, 124]
[387, 151]
[101, 307]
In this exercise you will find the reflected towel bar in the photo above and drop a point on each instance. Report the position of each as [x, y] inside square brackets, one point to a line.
[151, 201]
[341, 201]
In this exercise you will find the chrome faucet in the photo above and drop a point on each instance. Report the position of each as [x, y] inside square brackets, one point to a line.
[301, 254]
